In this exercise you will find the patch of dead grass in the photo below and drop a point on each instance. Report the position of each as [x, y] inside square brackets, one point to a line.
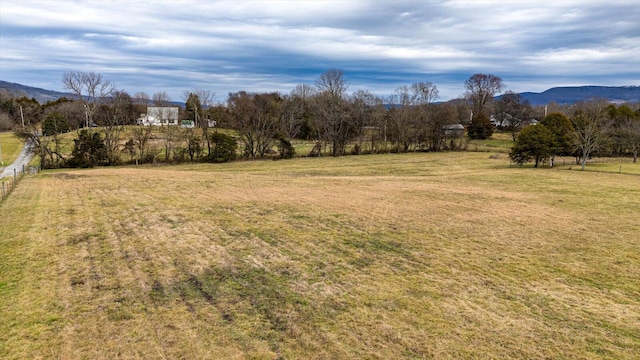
[400, 256]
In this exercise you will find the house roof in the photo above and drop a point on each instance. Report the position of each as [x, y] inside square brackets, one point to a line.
[166, 112]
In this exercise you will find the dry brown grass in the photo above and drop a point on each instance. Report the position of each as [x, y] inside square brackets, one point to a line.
[388, 256]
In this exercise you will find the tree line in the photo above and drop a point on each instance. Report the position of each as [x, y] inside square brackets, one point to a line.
[592, 128]
[264, 124]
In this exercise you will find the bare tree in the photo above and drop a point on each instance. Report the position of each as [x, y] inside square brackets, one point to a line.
[438, 135]
[73, 112]
[5, 121]
[161, 99]
[512, 112]
[403, 119]
[54, 124]
[207, 100]
[115, 113]
[198, 102]
[7, 95]
[410, 118]
[141, 101]
[332, 112]
[424, 93]
[631, 136]
[141, 136]
[480, 90]
[590, 129]
[206, 97]
[303, 91]
[141, 98]
[90, 88]
[292, 116]
[41, 144]
[363, 115]
[296, 111]
[171, 137]
[24, 110]
[462, 109]
[332, 83]
[255, 118]
[302, 100]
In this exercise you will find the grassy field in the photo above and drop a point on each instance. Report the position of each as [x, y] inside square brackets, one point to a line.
[447, 255]
[10, 146]
[498, 142]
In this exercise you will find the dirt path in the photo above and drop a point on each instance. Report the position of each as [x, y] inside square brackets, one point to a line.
[23, 159]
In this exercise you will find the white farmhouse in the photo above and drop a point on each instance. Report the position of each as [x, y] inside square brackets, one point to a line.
[160, 116]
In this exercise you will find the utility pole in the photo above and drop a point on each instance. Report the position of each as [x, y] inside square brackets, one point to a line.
[86, 115]
[22, 116]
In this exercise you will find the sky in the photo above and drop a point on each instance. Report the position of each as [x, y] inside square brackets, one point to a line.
[228, 46]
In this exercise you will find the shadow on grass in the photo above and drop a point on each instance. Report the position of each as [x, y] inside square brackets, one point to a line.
[255, 304]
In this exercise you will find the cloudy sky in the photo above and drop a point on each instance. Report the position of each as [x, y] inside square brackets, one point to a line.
[228, 46]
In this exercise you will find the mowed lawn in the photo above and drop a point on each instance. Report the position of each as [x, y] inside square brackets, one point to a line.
[451, 255]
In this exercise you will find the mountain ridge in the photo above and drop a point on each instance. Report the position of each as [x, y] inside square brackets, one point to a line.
[574, 94]
[559, 94]
[41, 95]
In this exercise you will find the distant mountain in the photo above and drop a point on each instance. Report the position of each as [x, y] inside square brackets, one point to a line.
[39, 94]
[43, 96]
[574, 94]
[560, 95]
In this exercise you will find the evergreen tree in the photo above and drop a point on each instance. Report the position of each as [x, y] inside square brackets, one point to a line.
[480, 127]
[193, 108]
[285, 149]
[534, 142]
[54, 124]
[223, 148]
[89, 150]
[561, 128]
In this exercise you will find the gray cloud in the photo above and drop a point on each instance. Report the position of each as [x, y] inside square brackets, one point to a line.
[274, 45]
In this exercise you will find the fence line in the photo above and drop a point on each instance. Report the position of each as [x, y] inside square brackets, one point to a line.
[8, 184]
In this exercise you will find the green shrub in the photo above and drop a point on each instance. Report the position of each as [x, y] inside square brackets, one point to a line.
[89, 150]
[285, 149]
[223, 148]
[480, 127]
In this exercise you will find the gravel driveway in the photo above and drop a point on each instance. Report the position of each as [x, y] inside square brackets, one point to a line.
[23, 159]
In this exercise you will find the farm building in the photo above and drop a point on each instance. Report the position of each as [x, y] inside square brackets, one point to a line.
[159, 116]
[453, 129]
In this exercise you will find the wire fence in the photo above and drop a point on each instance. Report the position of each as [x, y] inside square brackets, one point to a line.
[609, 165]
[9, 183]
